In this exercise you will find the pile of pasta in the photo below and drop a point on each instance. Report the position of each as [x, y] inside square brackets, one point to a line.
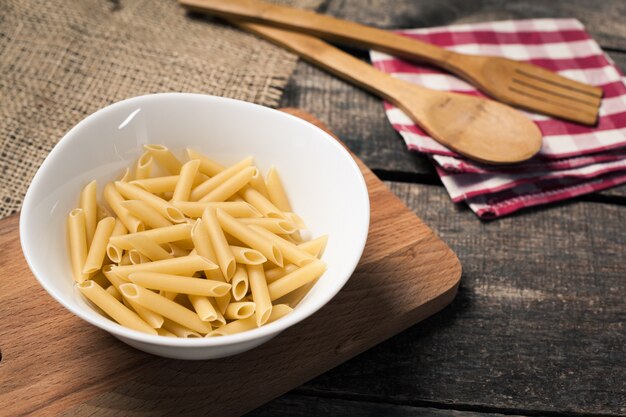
[192, 249]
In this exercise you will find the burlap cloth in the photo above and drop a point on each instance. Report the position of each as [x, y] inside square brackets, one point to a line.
[62, 60]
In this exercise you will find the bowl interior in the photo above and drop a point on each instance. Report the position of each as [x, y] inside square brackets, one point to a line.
[323, 182]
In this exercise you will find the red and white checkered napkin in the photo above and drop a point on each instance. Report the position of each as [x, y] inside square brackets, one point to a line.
[573, 160]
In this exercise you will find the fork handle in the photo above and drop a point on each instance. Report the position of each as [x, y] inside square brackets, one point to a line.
[329, 28]
[340, 63]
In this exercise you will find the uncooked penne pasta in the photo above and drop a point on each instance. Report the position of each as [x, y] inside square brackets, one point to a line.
[164, 157]
[183, 266]
[185, 181]
[260, 293]
[290, 251]
[149, 248]
[114, 198]
[175, 233]
[97, 250]
[195, 209]
[180, 284]
[261, 203]
[166, 209]
[229, 187]
[78, 243]
[205, 250]
[90, 208]
[273, 225]
[143, 168]
[250, 237]
[146, 213]
[116, 310]
[277, 194]
[203, 307]
[207, 166]
[225, 257]
[247, 256]
[296, 279]
[212, 183]
[240, 283]
[166, 308]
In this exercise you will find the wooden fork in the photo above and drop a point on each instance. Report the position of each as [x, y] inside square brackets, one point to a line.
[513, 82]
[481, 129]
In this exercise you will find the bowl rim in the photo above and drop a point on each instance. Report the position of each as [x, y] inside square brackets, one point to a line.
[267, 330]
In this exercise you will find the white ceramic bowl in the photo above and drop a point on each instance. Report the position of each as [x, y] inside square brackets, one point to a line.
[323, 182]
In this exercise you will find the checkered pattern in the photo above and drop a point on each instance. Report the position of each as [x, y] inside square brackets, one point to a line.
[573, 160]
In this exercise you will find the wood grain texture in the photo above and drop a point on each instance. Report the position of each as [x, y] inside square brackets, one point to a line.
[54, 363]
[537, 326]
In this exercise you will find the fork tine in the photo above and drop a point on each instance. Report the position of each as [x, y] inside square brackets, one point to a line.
[558, 81]
[551, 105]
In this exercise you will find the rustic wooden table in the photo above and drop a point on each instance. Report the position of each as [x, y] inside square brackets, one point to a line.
[538, 325]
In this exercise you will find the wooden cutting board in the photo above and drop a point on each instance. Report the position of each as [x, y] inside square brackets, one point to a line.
[54, 363]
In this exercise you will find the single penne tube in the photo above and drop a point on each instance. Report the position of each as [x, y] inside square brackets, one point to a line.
[180, 284]
[234, 327]
[78, 243]
[90, 208]
[149, 248]
[113, 199]
[97, 250]
[203, 307]
[316, 246]
[247, 256]
[157, 185]
[114, 292]
[250, 237]
[116, 310]
[296, 279]
[204, 247]
[265, 206]
[273, 225]
[195, 209]
[239, 310]
[166, 209]
[207, 165]
[290, 251]
[295, 219]
[143, 167]
[180, 331]
[225, 257]
[278, 272]
[240, 283]
[186, 178]
[260, 293]
[279, 311]
[153, 319]
[113, 252]
[212, 183]
[161, 235]
[229, 187]
[146, 213]
[164, 157]
[183, 266]
[276, 191]
[166, 333]
[293, 298]
[137, 257]
[167, 308]
[258, 183]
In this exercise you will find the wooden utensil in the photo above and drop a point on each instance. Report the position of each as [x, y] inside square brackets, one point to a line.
[54, 363]
[480, 129]
[516, 83]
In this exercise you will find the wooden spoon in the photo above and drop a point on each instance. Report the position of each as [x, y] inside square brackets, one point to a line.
[477, 128]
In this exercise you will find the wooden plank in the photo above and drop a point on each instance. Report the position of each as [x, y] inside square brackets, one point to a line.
[306, 406]
[537, 325]
[53, 361]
